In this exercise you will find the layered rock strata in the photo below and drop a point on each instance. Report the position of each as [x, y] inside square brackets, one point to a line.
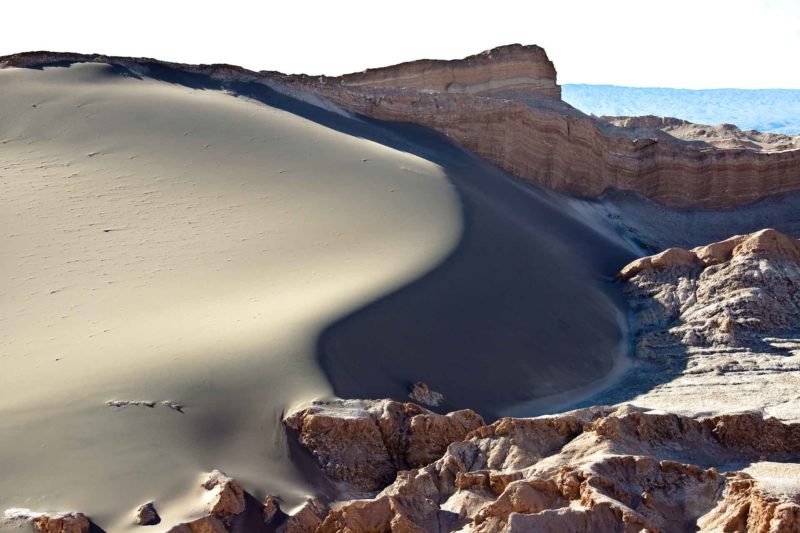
[504, 105]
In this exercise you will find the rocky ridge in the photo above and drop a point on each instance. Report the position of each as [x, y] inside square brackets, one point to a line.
[504, 105]
[724, 313]
[598, 469]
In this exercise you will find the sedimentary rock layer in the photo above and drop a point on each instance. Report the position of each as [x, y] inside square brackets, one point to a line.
[513, 70]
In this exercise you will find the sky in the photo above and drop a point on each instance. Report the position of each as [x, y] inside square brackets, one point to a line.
[644, 43]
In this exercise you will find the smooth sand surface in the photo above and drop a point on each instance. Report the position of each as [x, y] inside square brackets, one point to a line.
[166, 238]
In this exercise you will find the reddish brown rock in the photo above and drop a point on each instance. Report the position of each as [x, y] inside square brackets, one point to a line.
[45, 522]
[228, 495]
[365, 443]
[747, 507]
[62, 523]
[307, 519]
[272, 509]
[146, 515]
[591, 470]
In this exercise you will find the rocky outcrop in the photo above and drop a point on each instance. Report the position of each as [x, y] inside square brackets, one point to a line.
[723, 322]
[542, 139]
[504, 105]
[48, 522]
[365, 443]
[748, 507]
[598, 469]
[724, 136]
[733, 293]
[506, 72]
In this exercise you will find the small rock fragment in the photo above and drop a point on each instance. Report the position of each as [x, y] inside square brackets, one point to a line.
[146, 515]
[173, 405]
[272, 508]
[228, 496]
[420, 392]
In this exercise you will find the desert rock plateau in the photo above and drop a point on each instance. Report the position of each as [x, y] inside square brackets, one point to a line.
[429, 297]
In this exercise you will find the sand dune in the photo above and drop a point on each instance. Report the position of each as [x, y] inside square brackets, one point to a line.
[186, 259]
[169, 240]
[163, 243]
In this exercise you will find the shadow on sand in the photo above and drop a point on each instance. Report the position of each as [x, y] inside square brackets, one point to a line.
[525, 307]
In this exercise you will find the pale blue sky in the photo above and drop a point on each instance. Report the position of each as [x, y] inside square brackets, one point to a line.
[672, 43]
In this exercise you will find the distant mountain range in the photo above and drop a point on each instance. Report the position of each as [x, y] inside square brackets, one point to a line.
[774, 110]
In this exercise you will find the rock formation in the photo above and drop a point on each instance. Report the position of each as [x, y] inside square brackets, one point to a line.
[719, 313]
[504, 105]
[375, 439]
[534, 135]
[597, 469]
[48, 522]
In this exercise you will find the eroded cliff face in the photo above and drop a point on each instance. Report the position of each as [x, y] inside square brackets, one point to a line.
[504, 105]
[544, 140]
[507, 71]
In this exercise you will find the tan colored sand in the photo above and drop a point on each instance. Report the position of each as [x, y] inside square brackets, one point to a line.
[161, 243]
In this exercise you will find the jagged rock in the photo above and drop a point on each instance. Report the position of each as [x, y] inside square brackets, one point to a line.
[146, 515]
[730, 293]
[597, 469]
[272, 509]
[421, 393]
[227, 495]
[365, 443]
[717, 315]
[306, 519]
[748, 507]
[206, 524]
[70, 522]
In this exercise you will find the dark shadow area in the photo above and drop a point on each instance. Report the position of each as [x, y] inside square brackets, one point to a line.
[524, 307]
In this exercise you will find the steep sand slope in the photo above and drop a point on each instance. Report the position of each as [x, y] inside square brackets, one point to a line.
[166, 241]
